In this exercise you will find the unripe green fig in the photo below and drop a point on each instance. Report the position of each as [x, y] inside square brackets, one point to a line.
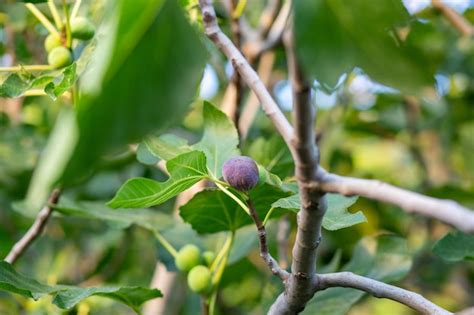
[188, 257]
[241, 172]
[209, 257]
[60, 57]
[200, 279]
[82, 28]
[52, 41]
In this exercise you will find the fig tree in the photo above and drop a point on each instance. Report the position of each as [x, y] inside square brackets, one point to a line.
[52, 41]
[199, 279]
[60, 57]
[82, 28]
[241, 172]
[188, 257]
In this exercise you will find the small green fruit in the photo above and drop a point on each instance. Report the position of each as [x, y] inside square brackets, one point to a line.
[199, 279]
[188, 257]
[209, 257]
[82, 28]
[60, 57]
[52, 41]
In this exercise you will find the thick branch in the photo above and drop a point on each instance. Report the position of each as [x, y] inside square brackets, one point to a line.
[35, 230]
[379, 290]
[300, 286]
[447, 211]
[264, 253]
[457, 20]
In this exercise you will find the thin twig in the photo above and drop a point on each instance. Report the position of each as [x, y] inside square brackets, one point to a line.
[55, 14]
[35, 230]
[447, 211]
[43, 19]
[456, 19]
[248, 74]
[253, 49]
[75, 9]
[379, 290]
[264, 253]
[267, 18]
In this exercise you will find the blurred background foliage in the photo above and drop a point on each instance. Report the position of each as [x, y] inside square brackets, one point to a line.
[364, 129]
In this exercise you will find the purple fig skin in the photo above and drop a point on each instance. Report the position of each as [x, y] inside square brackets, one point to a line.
[240, 172]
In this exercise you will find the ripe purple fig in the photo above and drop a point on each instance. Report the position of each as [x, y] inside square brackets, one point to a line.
[240, 172]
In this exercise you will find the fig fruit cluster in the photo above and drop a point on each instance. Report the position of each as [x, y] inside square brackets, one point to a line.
[59, 56]
[190, 260]
[241, 172]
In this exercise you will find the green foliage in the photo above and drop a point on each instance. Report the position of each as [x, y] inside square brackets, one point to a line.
[212, 211]
[54, 86]
[66, 297]
[219, 141]
[138, 77]
[185, 170]
[166, 146]
[358, 34]
[116, 218]
[119, 94]
[69, 78]
[13, 86]
[337, 217]
[455, 246]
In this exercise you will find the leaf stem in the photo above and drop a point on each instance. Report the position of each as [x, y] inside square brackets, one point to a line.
[219, 263]
[42, 18]
[68, 25]
[231, 195]
[166, 244]
[267, 216]
[75, 9]
[27, 68]
[55, 14]
[221, 253]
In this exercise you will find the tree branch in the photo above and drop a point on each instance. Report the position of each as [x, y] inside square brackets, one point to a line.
[444, 210]
[457, 20]
[35, 230]
[264, 253]
[253, 49]
[249, 75]
[299, 288]
[252, 105]
[379, 290]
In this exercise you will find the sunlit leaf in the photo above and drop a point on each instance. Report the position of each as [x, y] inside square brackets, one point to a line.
[336, 217]
[220, 139]
[185, 170]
